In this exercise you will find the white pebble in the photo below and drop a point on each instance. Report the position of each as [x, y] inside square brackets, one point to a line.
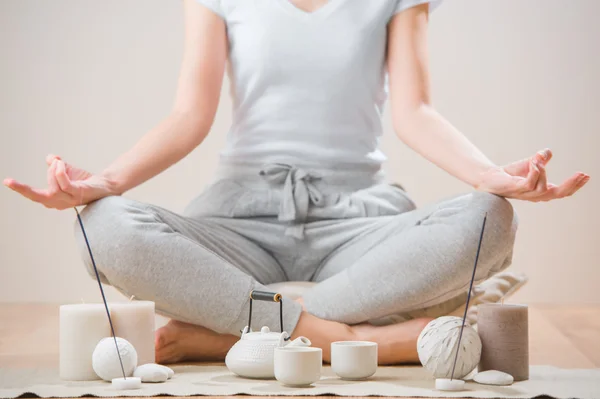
[105, 360]
[169, 370]
[123, 384]
[493, 377]
[446, 384]
[151, 373]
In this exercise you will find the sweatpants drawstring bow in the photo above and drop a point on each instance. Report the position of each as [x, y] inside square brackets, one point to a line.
[298, 194]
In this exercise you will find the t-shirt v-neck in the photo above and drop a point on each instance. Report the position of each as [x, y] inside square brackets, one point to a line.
[308, 87]
[324, 9]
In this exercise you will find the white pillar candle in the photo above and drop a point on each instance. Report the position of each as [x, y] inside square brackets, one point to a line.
[82, 326]
[134, 321]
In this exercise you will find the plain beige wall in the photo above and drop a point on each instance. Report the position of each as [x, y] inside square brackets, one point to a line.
[84, 79]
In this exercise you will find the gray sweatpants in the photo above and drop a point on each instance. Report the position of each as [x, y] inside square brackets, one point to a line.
[373, 253]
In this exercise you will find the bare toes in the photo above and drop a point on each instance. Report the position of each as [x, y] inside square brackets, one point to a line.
[167, 342]
[178, 341]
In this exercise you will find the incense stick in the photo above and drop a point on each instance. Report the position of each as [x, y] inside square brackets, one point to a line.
[469, 296]
[112, 329]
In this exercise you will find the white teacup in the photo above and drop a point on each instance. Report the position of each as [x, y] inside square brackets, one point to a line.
[354, 360]
[298, 365]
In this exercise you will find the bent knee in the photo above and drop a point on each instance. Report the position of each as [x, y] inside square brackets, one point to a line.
[102, 218]
[501, 215]
[106, 226]
[500, 230]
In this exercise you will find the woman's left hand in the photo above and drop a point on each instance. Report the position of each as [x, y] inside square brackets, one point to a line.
[526, 180]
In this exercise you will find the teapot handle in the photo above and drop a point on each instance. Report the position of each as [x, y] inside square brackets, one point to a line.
[265, 296]
[282, 339]
[268, 297]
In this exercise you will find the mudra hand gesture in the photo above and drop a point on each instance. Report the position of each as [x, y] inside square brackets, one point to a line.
[527, 180]
[68, 186]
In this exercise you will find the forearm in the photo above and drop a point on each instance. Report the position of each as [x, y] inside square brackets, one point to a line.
[174, 138]
[416, 122]
[428, 133]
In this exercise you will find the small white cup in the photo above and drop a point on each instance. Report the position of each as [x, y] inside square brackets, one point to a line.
[354, 360]
[298, 366]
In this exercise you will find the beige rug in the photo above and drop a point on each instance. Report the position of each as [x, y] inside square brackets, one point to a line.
[216, 380]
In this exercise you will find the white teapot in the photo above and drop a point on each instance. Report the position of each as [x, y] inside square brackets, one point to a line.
[253, 355]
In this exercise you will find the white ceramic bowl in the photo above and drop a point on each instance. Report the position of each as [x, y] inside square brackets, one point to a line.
[298, 366]
[354, 360]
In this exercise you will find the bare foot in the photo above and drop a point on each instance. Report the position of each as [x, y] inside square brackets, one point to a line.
[322, 332]
[179, 341]
[396, 343]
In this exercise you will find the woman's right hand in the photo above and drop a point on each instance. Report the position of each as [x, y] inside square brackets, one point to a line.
[68, 186]
[198, 93]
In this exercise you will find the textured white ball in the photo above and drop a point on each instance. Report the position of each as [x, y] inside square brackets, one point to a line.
[105, 360]
[437, 345]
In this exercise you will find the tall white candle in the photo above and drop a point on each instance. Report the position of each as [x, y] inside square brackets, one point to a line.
[82, 326]
[134, 321]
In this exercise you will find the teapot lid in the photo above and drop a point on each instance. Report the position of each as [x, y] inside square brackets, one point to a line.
[264, 334]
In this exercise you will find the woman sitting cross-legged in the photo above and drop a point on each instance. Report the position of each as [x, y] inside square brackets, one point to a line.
[300, 193]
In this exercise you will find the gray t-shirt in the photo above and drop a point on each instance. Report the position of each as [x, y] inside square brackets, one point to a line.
[308, 88]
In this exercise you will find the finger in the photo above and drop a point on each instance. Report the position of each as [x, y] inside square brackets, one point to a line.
[543, 157]
[582, 181]
[531, 181]
[567, 188]
[50, 158]
[53, 186]
[521, 168]
[61, 177]
[542, 184]
[33, 194]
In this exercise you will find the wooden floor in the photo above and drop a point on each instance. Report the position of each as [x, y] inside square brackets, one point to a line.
[563, 336]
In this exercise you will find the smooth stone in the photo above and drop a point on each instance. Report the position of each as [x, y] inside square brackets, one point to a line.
[151, 373]
[493, 377]
[123, 384]
[169, 370]
[446, 384]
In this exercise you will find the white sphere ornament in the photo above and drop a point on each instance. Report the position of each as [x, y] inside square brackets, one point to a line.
[105, 360]
[437, 346]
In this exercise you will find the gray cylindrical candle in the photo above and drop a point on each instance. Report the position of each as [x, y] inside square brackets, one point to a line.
[504, 336]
